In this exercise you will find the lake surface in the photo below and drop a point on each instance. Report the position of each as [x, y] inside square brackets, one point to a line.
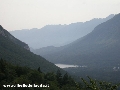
[66, 65]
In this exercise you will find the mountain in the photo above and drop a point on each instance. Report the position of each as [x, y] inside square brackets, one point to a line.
[6, 34]
[16, 76]
[57, 35]
[17, 52]
[100, 48]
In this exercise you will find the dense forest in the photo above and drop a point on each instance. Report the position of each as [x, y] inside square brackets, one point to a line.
[103, 74]
[14, 75]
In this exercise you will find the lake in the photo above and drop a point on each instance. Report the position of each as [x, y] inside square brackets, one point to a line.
[66, 65]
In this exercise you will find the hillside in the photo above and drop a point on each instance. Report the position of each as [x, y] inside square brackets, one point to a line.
[57, 35]
[99, 48]
[11, 50]
[6, 34]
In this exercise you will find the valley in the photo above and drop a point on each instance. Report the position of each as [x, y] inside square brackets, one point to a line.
[60, 45]
[95, 54]
[99, 51]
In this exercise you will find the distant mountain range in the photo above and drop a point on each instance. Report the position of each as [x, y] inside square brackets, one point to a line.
[18, 53]
[100, 48]
[98, 51]
[57, 35]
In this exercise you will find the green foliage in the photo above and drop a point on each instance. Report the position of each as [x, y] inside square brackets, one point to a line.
[102, 73]
[99, 85]
[39, 70]
[65, 79]
[13, 75]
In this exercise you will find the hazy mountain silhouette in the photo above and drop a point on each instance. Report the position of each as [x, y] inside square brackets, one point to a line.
[57, 35]
[99, 48]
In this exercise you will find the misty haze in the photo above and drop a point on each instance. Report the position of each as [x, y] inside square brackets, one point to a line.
[63, 44]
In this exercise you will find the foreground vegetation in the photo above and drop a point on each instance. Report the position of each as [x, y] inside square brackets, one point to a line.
[13, 75]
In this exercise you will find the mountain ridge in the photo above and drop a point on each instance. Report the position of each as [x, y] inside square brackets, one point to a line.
[100, 46]
[57, 35]
[6, 34]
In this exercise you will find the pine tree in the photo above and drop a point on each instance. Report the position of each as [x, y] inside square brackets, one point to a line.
[59, 77]
[39, 70]
[65, 79]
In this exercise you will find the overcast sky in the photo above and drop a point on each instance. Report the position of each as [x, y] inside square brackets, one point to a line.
[27, 14]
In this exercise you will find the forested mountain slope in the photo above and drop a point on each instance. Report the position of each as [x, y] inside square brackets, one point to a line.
[6, 34]
[13, 51]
